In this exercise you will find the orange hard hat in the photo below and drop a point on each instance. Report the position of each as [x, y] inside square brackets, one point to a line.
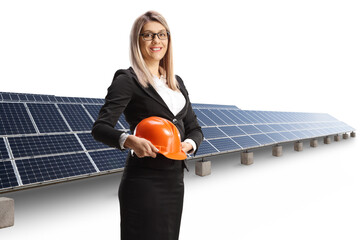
[163, 134]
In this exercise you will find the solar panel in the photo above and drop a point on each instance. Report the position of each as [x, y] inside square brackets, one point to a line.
[94, 112]
[15, 119]
[224, 144]
[245, 142]
[109, 159]
[89, 143]
[34, 170]
[32, 146]
[3, 150]
[213, 132]
[47, 118]
[76, 117]
[46, 139]
[7, 175]
[206, 149]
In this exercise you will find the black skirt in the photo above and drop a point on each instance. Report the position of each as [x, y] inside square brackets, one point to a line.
[151, 197]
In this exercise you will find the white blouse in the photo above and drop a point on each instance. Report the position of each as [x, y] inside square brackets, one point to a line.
[175, 100]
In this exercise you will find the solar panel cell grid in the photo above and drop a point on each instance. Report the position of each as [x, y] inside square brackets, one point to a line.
[213, 117]
[47, 118]
[249, 129]
[50, 168]
[253, 117]
[7, 175]
[76, 116]
[16, 120]
[206, 148]
[109, 159]
[264, 128]
[203, 118]
[6, 96]
[240, 114]
[43, 145]
[245, 141]
[223, 117]
[212, 132]
[232, 115]
[232, 131]
[263, 139]
[224, 144]
[290, 136]
[89, 142]
[3, 151]
[277, 137]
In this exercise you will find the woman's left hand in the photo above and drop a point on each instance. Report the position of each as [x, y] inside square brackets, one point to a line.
[186, 147]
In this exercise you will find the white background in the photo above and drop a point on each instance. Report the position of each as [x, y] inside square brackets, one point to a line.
[257, 55]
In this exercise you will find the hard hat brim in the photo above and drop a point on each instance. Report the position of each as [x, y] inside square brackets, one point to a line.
[175, 156]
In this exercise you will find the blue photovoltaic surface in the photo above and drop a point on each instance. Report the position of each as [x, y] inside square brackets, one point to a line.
[16, 120]
[94, 112]
[3, 151]
[89, 142]
[249, 129]
[212, 132]
[245, 141]
[50, 168]
[231, 131]
[47, 118]
[202, 118]
[109, 159]
[224, 144]
[213, 117]
[76, 117]
[240, 115]
[290, 136]
[206, 148]
[263, 139]
[223, 117]
[277, 137]
[7, 175]
[43, 145]
[232, 115]
[264, 128]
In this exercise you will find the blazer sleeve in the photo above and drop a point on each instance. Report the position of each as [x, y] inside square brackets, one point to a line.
[192, 127]
[118, 96]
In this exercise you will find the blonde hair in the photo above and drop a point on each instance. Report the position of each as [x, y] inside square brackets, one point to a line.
[137, 61]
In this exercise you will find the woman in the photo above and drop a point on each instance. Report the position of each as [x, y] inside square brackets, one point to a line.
[152, 188]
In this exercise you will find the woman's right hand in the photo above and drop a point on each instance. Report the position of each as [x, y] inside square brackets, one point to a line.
[141, 146]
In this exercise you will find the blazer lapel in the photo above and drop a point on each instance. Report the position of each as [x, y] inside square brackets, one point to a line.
[150, 91]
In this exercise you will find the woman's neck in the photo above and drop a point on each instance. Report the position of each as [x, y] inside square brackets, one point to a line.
[154, 68]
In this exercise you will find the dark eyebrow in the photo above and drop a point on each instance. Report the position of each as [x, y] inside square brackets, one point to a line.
[148, 31]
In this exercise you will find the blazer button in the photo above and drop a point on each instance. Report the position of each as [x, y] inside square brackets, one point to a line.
[175, 121]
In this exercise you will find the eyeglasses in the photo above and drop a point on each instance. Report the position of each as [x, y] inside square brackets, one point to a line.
[150, 36]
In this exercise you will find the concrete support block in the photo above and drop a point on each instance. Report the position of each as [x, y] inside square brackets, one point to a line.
[7, 212]
[345, 136]
[247, 158]
[203, 168]
[336, 138]
[277, 151]
[314, 143]
[327, 140]
[298, 146]
[353, 134]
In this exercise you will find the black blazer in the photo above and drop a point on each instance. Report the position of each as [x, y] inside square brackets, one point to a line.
[126, 95]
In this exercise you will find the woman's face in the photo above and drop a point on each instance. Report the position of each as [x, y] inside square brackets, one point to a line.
[153, 50]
